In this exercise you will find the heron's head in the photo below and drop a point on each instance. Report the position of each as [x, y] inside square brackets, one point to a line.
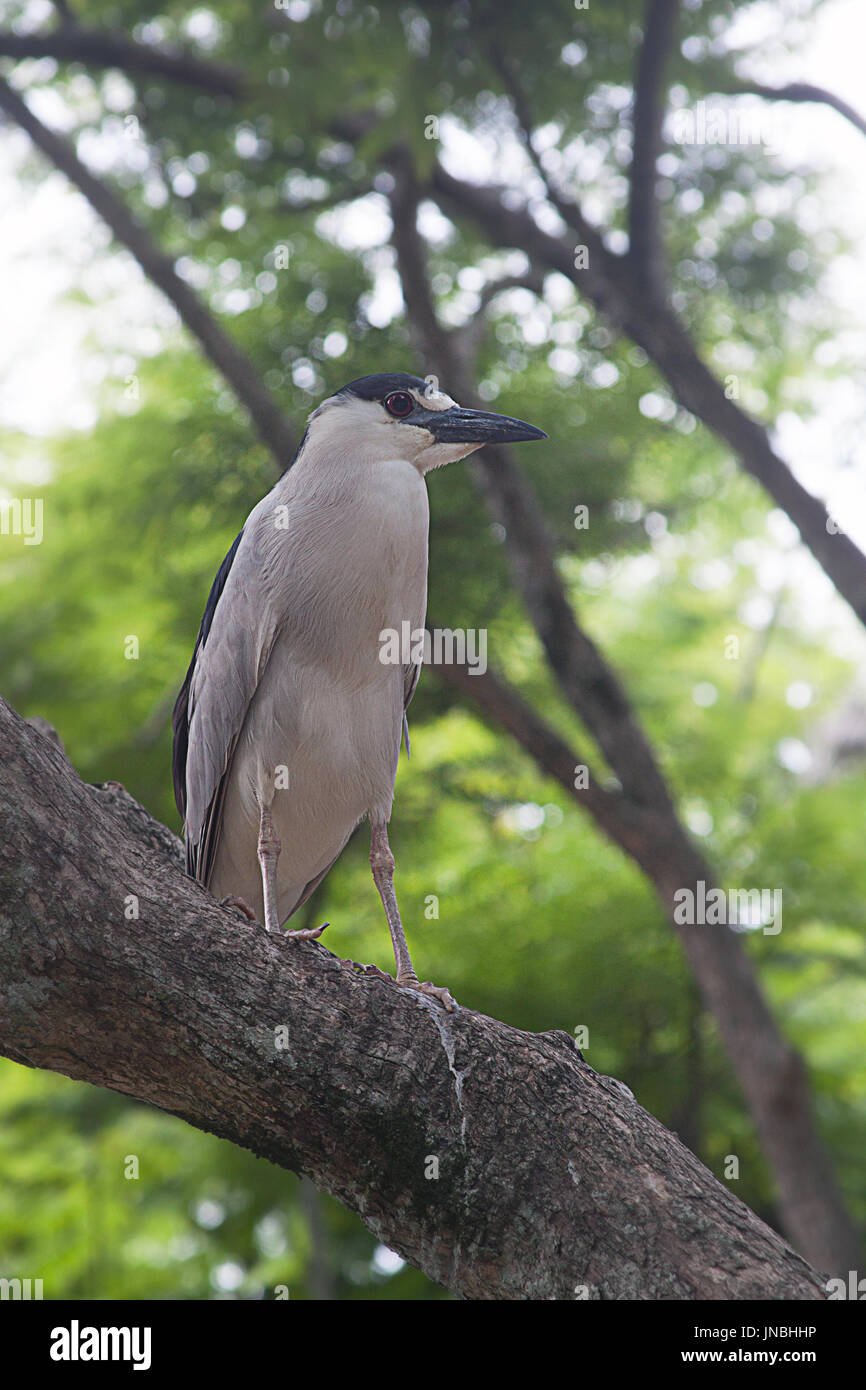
[396, 416]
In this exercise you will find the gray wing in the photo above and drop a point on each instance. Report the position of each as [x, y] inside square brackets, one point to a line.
[411, 676]
[234, 644]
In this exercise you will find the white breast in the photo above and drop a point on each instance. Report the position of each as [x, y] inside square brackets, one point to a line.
[346, 561]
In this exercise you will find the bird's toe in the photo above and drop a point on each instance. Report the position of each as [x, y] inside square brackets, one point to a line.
[437, 992]
[240, 905]
[370, 970]
[306, 933]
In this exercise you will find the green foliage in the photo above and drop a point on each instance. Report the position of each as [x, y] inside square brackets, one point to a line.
[510, 895]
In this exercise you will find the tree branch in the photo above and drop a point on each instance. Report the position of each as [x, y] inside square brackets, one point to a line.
[239, 372]
[775, 1086]
[505, 708]
[496, 1161]
[601, 271]
[469, 336]
[432, 337]
[769, 1070]
[800, 92]
[657, 330]
[72, 43]
[646, 251]
[588, 684]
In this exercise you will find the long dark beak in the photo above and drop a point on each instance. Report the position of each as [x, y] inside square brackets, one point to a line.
[458, 426]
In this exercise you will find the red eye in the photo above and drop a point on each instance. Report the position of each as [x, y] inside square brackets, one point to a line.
[399, 403]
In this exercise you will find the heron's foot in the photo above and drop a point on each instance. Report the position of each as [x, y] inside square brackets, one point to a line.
[370, 970]
[443, 996]
[437, 992]
[306, 933]
[240, 905]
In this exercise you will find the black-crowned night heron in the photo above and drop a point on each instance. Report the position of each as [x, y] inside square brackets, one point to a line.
[287, 728]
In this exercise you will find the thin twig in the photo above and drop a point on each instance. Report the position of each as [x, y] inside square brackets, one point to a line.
[242, 376]
[72, 42]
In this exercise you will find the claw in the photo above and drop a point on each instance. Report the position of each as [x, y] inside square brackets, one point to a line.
[370, 970]
[438, 992]
[444, 996]
[299, 934]
[306, 933]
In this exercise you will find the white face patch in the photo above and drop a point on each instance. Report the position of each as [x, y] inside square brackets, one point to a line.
[432, 399]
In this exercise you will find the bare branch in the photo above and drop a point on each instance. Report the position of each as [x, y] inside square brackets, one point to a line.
[656, 329]
[590, 687]
[468, 336]
[202, 1014]
[225, 354]
[532, 281]
[648, 109]
[506, 709]
[602, 264]
[801, 92]
[73, 43]
[650, 829]
[64, 10]
[432, 336]
[771, 1073]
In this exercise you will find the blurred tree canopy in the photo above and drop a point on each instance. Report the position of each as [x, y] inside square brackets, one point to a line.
[282, 225]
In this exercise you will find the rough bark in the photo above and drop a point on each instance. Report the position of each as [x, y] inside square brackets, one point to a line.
[776, 1076]
[769, 1069]
[643, 820]
[553, 1182]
